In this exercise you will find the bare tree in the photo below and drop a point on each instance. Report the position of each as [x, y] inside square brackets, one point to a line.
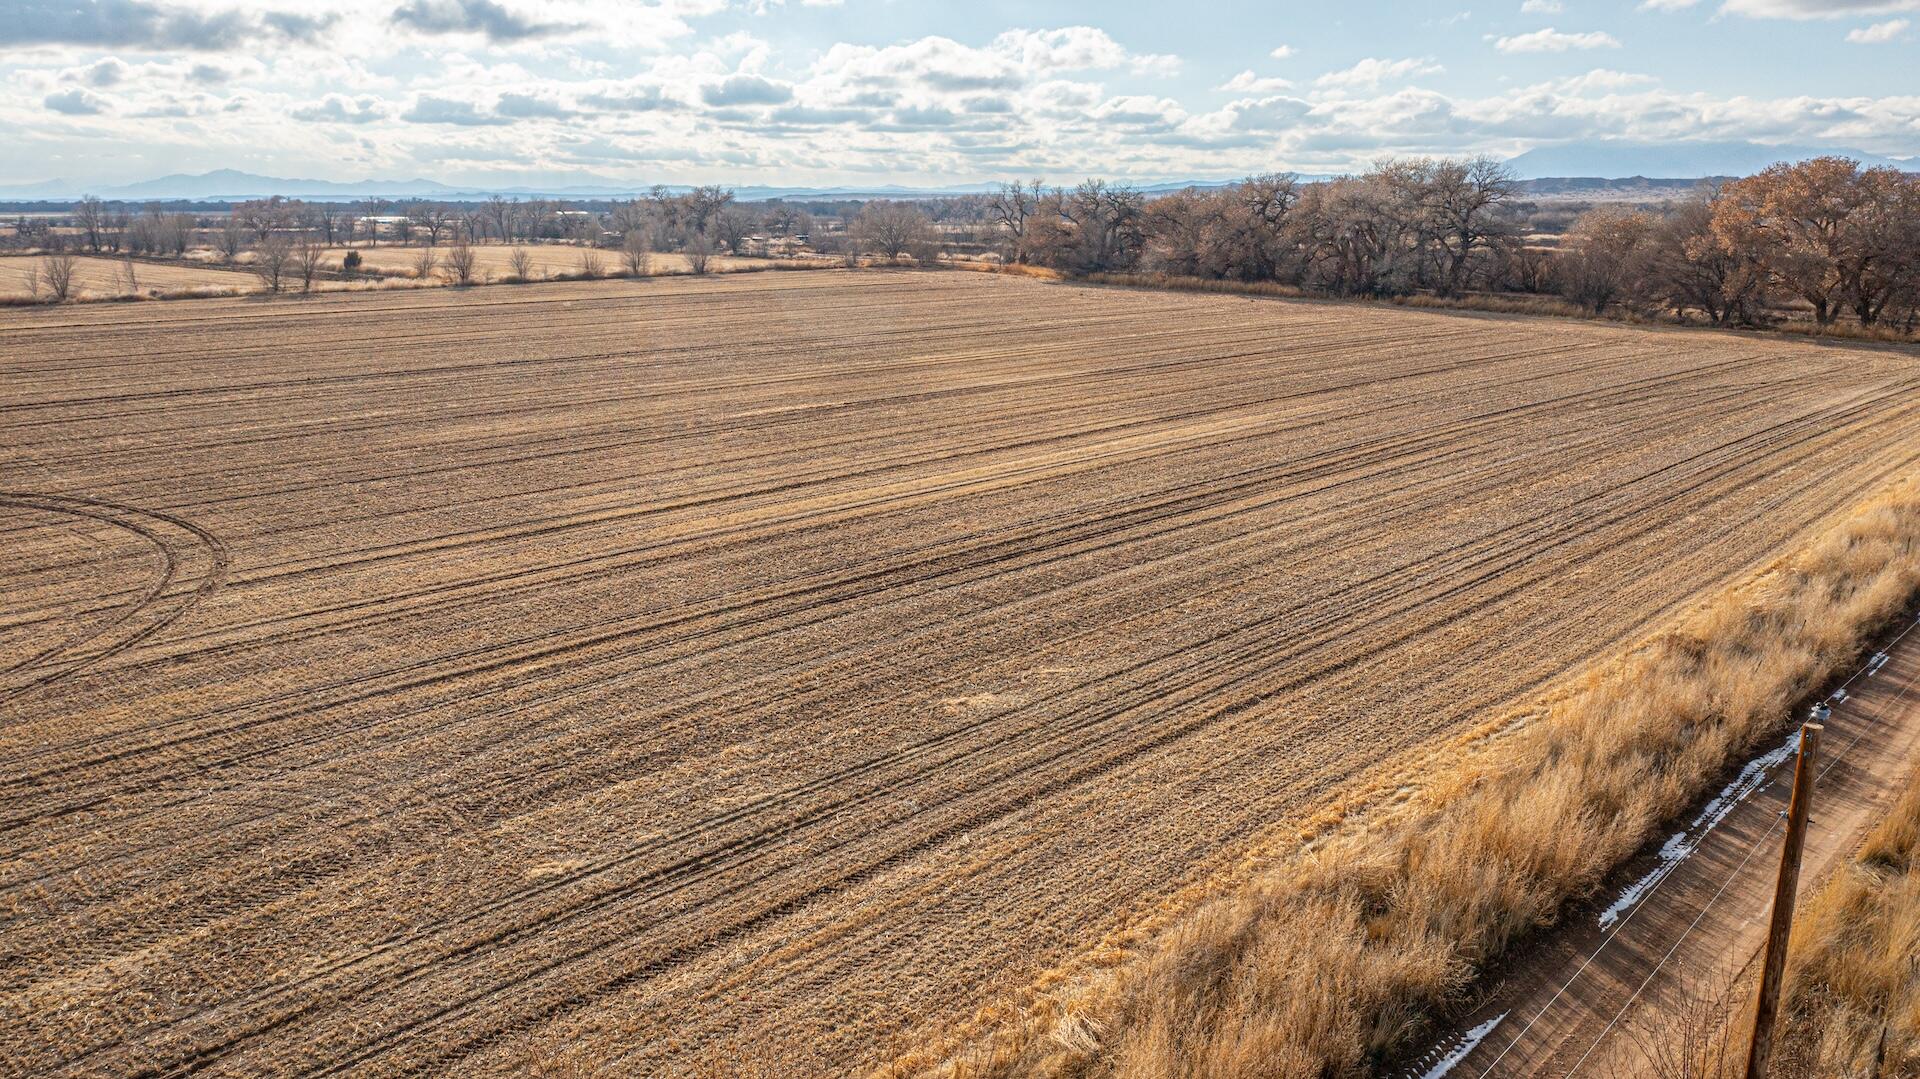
[431, 218]
[698, 249]
[32, 281]
[371, 210]
[499, 214]
[520, 263]
[460, 258]
[1011, 206]
[591, 266]
[731, 227]
[272, 260]
[90, 215]
[634, 253]
[425, 262]
[230, 239]
[1605, 258]
[306, 256]
[891, 229]
[58, 268]
[129, 279]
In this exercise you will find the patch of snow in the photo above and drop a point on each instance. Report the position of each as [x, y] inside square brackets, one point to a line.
[1681, 845]
[1457, 1048]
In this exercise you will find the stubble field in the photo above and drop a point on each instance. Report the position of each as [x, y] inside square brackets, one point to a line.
[104, 276]
[686, 674]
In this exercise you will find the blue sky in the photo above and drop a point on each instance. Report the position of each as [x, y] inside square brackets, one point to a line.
[872, 91]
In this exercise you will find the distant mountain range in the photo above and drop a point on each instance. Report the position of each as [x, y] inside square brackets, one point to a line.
[228, 185]
[1553, 170]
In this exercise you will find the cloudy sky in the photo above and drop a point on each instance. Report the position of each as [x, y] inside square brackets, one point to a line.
[918, 91]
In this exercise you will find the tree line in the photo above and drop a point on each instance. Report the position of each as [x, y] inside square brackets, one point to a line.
[1823, 237]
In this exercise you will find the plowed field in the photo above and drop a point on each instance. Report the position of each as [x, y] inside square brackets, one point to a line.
[683, 673]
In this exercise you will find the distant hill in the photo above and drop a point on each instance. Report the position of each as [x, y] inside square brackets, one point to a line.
[1575, 170]
[1676, 159]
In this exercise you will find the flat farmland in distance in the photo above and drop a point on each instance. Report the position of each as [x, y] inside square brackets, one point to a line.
[495, 261]
[661, 674]
[107, 276]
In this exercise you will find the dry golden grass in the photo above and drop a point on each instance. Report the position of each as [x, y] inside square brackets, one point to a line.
[1855, 963]
[1331, 965]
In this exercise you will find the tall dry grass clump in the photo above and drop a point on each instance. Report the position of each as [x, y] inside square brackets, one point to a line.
[1853, 980]
[1334, 963]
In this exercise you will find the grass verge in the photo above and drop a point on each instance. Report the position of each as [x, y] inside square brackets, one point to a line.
[1854, 965]
[1334, 963]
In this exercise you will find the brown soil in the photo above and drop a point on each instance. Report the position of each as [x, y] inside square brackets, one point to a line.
[664, 674]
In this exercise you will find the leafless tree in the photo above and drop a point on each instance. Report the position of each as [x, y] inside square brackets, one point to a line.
[431, 218]
[129, 278]
[306, 256]
[57, 268]
[1011, 206]
[634, 253]
[520, 263]
[499, 214]
[425, 262]
[1605, 258]
[591, 266]
[272, 260]
[731, 227]
[370, 209]
[230, 239]
[460, 258]
[90, 215]
[890, 229]
[264, 217]
[699, 250]
[32, 281]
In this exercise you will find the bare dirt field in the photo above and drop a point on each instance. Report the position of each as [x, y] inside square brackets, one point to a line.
[492, 262]
[107, 276]
[683, 674]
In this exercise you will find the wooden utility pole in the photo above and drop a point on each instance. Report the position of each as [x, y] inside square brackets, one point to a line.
[1784, 888]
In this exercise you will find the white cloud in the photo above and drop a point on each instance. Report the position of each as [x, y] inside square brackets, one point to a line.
[1542, 7]
[1879, 33]
[1248, 83]
[1281, 52]
[1816, 9]
[1372, 72]
[1551, 40]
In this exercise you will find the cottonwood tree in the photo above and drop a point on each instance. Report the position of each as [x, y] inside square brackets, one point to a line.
[731, 227]
[305, 260]
[230, 238]
[431, 218]
[90, 217]
[499, 214]
[372, 210]
[1011, 206]
[272, 260]
[1690, 267]
[1463, 201]
[1605, 257]
[890, 229]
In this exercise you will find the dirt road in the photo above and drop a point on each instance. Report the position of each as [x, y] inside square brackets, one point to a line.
[1676, 927]
[677, 674]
